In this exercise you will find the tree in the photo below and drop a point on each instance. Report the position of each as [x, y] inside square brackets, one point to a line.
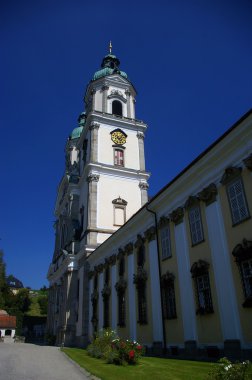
[4, 289]
[43, 304]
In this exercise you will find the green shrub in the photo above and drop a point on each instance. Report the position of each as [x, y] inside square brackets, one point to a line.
[108, 346]
[226, 370]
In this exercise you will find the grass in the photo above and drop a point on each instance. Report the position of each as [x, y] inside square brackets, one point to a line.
[147, 369]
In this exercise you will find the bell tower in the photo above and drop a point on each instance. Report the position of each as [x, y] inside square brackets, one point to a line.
[113, 180]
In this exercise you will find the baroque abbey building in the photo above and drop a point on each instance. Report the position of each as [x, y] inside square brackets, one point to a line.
[173, 272]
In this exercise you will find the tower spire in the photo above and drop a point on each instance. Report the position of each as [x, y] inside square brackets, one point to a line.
[110, 47]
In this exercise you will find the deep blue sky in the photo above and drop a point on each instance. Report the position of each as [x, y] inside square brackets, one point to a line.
[190, 61]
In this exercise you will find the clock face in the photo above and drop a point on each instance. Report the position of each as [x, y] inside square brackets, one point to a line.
[118, 138]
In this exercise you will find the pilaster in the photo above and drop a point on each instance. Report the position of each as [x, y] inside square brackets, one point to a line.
[140, 136]
[94, 141]
[92, 207]
[132, 298]
[144, 194]
[128, 96]
[105, 98]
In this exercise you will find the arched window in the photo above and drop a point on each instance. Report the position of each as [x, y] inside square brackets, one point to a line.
[117, 108]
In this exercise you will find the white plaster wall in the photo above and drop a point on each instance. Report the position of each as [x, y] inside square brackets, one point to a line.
[106, 152]
[110, 188]
[98, 100]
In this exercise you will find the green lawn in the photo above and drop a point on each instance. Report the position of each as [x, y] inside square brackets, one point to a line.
[147, 369]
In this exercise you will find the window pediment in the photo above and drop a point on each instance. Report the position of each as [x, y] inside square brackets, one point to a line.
[230, 173]
[116, 94]
[199, 267]
[243, 251]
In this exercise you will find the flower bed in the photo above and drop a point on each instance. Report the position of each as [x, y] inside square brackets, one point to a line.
[114, 350]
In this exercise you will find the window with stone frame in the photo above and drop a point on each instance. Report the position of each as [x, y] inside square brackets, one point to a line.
[168, 296]
[118, 157]
[140, 279]
[106, 298]
[243, 257]
[94, 300]
[165, 241]
[236, 194]
[195, 225]
[237, 201]
[119, 205]
[200, 275]
[121, 293]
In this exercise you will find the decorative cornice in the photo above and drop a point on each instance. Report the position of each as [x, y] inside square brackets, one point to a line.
[191, 201]
[94, 126]
[128, 248]
[139, 242]
[112, 259]
[150, 234]
[121, 253]
[93, 178]
[177, 215]
[121, 285]
[99, 268]
[243, 251]
[163, 221]
[230, 174]
[104, 88]
[117, 94]
[127, 92]
[119, 201]
[143, 185]
[140, 135]
[167, 278]
[208, 194]
[93, 91]
[199, 268]
[248, 162]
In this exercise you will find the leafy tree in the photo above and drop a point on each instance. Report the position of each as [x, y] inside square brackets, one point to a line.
[43, 304]
[4, 289]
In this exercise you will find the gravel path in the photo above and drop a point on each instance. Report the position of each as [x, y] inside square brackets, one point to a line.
[23, 361]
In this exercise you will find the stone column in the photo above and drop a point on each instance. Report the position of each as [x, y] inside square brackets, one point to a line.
[140, 136]
[92, 207]
[94, 141]
[131, 297]
[105, 98]
[157, 326]
[100, 285]
[113, 298]
[128, 96]
[72, 281]
[144, 194]
[90, 325]
[93, 99]
[227, 301]
[185, 283]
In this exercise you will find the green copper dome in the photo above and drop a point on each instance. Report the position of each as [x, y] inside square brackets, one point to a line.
[110, 65]
[76, 133]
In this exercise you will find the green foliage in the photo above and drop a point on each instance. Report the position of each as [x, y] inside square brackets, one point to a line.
[226, 370]
[4, 289]
[43, 304]
[114, 350]
[101, 344]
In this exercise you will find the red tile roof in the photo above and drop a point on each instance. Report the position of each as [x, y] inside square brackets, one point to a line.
[7, 321]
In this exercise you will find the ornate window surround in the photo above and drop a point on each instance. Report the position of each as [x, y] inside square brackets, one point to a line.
[169, 302]
[231, 177]
[195, 220]
[119, 203]
[200, 274]
[243, 255]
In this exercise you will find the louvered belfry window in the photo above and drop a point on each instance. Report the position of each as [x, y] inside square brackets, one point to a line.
[237, 201]
[196, 225]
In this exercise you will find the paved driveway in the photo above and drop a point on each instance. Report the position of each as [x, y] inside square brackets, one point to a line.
[23, 361]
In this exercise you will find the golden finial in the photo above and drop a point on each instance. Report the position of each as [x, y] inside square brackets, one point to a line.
[110, 47]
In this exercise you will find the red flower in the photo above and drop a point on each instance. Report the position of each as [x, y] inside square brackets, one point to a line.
[139, 347]
[131, 354]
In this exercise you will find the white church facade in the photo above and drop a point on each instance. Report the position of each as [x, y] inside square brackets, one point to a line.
[173, 272]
